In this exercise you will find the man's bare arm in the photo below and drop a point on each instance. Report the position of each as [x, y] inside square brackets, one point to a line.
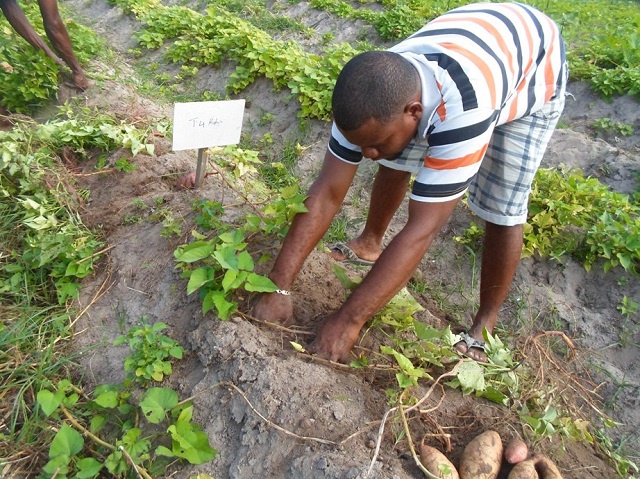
[325, 197]
[393, 269]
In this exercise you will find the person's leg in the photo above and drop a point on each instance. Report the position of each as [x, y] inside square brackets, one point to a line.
[59, 38]
[500, 258]
[389, 189]
[20, 23]
[499, 194]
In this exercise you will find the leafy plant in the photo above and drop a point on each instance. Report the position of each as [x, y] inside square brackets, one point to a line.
[52, 241]
[125, 165]
[607, 125]
[629, 310]
[224, 266]
[118, 442]
[151, 352]
[29, 78]
[625, 467]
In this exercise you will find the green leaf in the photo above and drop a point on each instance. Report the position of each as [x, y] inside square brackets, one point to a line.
[232, 279]
[260, 284]
[108, 399]
[245, 261]
[49, 401]
[492, 394]
[164, 451]
[189, 441]
[404, 381]
[344, 279]
[88, 468]
[194, 252]
[426, 333]
[227, 258]
[67, 442]
[176, 352]
[199, 277]
[223, 307]
[97, 423]
[471, 376]
[58, 465]
[156, 402]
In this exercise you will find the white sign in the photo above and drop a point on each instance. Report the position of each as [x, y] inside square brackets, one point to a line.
[207, 123]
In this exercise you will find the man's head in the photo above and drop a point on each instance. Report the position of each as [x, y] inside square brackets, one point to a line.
[376, 103]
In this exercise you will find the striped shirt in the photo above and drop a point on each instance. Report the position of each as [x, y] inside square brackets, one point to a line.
[481, 66]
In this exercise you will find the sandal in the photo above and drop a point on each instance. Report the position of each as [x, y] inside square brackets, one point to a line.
[471, 342]
[349, 256]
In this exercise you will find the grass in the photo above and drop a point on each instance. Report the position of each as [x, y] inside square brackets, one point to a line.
[32, 356]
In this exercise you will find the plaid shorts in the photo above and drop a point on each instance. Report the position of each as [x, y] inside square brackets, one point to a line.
[499, 192]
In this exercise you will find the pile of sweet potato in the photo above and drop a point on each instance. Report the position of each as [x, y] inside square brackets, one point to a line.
[482, 459]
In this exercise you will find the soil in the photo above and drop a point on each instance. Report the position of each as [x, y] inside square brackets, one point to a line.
[271, 412]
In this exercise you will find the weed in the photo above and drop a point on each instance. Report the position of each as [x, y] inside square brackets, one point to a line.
[338, 230]
[149, 360]
[630, 326]
[139, 204]
[170, 226]
[266, 119]
[327, 38]
[132, 219]
[607, 125]
[624, 466]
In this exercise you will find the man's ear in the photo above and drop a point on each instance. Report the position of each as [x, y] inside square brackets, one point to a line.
[415, 109]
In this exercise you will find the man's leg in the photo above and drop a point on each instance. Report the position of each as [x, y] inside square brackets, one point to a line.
[389, 189]
[20, 23]
[500, 195]
[59, 38]
[500, 259]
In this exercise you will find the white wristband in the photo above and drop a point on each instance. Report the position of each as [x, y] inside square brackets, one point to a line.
[284, 292]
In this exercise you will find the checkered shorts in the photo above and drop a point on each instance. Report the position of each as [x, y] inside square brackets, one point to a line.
[499, 192]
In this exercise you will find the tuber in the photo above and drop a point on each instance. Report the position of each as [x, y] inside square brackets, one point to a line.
[516, 451]
[537, 467]
[437, 463]
[482, 457]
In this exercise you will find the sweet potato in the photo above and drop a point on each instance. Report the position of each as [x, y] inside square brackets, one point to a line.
[436, 463]
[546, 468]
[537, 467]
[187, 181]
[524, 470]
[516, 451]
[482, 457]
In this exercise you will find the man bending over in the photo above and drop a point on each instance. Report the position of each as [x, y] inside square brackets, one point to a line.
[467, 103]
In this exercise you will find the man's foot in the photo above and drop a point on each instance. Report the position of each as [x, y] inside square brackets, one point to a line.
[354, 252]
[342, 253]
[471, 347]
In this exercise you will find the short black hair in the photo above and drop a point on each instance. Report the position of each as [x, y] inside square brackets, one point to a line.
[374, 84]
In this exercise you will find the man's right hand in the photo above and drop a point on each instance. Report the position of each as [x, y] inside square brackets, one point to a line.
[274, 308]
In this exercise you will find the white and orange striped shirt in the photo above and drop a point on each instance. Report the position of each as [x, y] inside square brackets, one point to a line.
[481, 66]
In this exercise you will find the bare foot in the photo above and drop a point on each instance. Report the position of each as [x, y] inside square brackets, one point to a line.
[334, 339]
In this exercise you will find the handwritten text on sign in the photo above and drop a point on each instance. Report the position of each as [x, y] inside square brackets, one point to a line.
[207, 123]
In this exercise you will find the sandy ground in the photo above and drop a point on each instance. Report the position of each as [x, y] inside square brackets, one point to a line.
[327, 417]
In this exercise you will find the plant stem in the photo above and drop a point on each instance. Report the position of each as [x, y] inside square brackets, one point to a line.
[141, 471]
